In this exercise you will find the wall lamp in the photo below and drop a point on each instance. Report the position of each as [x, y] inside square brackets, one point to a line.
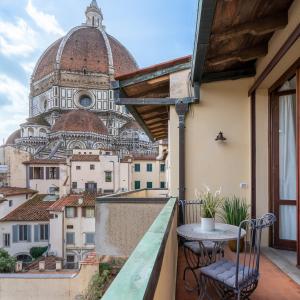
[220, 137]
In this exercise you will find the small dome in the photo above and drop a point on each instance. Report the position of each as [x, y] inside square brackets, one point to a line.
[12, 138]
[131, 125]
[81, 121]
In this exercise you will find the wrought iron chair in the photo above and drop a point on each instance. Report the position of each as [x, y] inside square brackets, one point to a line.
[238, 279]
[196, 254]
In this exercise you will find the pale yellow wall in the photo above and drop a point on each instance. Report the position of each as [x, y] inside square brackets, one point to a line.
[224, 106]
[24, 287]
[166, 285]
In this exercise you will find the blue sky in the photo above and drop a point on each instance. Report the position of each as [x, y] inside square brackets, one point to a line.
[153, 31]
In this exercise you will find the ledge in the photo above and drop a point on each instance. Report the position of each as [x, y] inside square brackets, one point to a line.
[139, 276]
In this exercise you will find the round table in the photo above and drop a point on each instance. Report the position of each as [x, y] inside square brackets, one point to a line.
[206, 245]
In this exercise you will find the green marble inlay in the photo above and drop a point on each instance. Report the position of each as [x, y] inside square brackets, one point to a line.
[132, 281]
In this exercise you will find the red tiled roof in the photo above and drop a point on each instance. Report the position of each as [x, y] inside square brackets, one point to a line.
[85, 157]
[34, 209]
[45, 162]
[156, 67]
[144, 157]
[72, 200]
[13, 191]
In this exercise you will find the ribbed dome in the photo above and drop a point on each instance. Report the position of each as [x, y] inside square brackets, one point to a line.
[85, 48]
[15, 135]
[81, 121]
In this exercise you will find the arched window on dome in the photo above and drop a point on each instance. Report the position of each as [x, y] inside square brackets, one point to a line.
[43, 133]
[30, 132]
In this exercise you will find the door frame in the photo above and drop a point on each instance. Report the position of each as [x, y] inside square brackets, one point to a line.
[292, 70]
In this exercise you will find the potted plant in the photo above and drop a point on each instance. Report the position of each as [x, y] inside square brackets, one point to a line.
[210, 205]
[234, 211]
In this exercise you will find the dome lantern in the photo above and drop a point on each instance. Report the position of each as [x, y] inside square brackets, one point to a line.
[94, 15]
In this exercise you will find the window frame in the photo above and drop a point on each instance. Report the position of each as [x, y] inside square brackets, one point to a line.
[93, 238]
[149, 167]
[6, 240]
[72, 233]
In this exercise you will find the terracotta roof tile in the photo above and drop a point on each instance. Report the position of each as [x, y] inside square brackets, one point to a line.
[45, 162]
[13, 191]
[72, 200]
[85, 157]
[34, 209]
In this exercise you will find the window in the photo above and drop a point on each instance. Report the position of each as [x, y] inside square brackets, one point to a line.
[162, 167]
[92, 167]
[85, 101]
[78, 167]
[6, 239]
[88, 212]
[71, 212]
[149, 167]
[89, 238]
[162, 185]
[74, 185]
[10, 203]
[23, 232]
[108, 176]
[44, 232]
[70, 238]
[36, 173]
[91, 187]
[70, 258]
[52, 172]
[137, 185]
[149, 185]
[137, 167]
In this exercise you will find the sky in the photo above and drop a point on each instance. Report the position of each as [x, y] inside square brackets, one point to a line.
[153, 31]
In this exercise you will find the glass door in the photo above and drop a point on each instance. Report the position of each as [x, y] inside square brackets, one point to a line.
[284, 165]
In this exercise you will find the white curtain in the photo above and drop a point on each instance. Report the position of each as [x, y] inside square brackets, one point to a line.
[287, 165]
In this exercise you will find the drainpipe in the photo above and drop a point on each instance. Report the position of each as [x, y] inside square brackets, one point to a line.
[181, 109]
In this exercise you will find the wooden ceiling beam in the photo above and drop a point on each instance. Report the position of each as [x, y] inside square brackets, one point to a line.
[239, 55]
[158, 131]
[161, 136]
[256, 27]
[155, 120]
[159, 115]
[149, 109]
[158, 125]
[149, 116]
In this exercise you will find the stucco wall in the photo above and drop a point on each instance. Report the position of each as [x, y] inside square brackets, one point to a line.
[27, 287]
[16, 202]
[224, 106]
[120, 226]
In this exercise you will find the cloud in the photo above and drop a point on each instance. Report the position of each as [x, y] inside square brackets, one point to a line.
[45, 21]
[28, 66]
[17, 38]
[15, 108]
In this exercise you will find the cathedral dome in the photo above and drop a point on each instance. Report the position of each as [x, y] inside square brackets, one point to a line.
[131, 125]
[81, 121]
[12, 138]
[86, 48]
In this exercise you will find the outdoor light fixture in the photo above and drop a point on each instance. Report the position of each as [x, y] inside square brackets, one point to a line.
[220, 137]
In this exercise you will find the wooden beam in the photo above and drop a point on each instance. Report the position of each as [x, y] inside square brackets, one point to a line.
[155, 120]
[158, 125]
[149, 109]
[153, 101]
[256, 27]
[159, 130]
[229, 75]
[152, 115]
[239, 55]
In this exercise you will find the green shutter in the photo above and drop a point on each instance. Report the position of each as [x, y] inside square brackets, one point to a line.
[36, 233]
[15, 233]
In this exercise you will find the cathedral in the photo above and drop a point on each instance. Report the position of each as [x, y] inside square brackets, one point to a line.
[71, 103]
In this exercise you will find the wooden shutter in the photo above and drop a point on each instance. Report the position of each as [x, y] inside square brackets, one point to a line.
[42, 173]
[36, 233]
[47, 172]
[57, 173]
[30, 172]
[15, 233]
[83, 210]
[75, 212]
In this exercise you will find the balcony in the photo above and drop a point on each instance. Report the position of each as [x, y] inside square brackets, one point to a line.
[155, 264]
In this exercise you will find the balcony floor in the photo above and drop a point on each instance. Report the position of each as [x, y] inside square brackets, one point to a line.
[273, 283]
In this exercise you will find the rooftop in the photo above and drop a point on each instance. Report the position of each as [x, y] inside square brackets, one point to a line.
[34, 209]
[88, 200]
[14, 191]
[85, 157]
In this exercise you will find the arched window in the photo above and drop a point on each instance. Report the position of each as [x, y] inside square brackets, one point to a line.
[30, 132]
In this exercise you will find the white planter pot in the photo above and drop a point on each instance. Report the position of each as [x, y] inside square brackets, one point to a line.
[207, 224]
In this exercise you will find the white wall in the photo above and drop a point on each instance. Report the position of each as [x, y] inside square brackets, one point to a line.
[16, 202]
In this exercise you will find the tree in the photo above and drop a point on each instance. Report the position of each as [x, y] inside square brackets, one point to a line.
[7, 262]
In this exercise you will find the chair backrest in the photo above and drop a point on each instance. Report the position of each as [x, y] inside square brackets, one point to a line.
[247, 265]
[190, 211]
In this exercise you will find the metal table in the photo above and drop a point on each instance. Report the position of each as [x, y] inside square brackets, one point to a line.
[206, 255]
